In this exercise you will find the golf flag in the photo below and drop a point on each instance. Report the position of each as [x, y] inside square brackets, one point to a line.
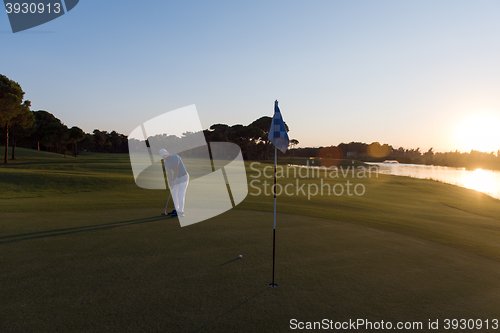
[279, 138]
[277, 133]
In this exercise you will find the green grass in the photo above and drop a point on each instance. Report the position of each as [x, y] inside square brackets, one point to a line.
[84, 249]
[41, 174]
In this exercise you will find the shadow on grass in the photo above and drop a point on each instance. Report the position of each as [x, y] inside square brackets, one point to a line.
[230, 261]
[59, 232]
[227, 312]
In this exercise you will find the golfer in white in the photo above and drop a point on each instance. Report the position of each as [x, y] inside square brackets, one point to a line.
[178, 180]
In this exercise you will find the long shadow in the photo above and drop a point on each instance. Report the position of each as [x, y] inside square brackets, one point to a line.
[59, 232]
[225, 313]
[228, 262]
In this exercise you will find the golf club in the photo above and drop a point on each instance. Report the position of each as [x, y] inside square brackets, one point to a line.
[165, 213]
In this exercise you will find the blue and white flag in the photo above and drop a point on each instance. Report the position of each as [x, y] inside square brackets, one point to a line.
[277, 133]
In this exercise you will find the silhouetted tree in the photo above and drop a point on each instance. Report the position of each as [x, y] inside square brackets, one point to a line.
[428, 156]
[99, 139]
[293, 143]
[23, 126]
[11, 105]
[264, 124]
[75, 135]
[252, 135]
[219, 132]
[87, 143]
[43, 128]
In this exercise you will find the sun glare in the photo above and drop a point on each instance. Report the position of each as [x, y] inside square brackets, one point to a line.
[479, 131]
[481, 181]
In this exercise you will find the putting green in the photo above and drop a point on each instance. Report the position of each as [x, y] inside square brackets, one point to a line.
[132, 270]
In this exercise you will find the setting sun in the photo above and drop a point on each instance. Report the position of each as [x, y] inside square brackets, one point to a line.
[479, 131]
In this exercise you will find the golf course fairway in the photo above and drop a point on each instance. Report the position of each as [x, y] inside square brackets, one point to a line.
[83, 249]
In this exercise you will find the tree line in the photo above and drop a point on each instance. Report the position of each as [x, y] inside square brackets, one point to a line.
[376, 152]
[252, 138]
[44, 131]
[41, 130]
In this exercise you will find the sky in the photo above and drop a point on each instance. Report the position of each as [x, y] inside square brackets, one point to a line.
[407, 73]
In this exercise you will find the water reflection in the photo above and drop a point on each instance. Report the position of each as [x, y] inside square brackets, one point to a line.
[485, 181]
[481, 180]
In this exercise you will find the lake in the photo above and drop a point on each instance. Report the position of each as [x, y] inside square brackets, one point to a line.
[485, 181]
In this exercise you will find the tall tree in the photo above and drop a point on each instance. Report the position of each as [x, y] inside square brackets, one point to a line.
[42, 129]
[55, 135]
[237, 134]
[99, 140]
[23, 126]
[87, 144]
[253, 135]
[293, 143]
[115, 140]
[264, 124]
[219, 132]
[11, 105]
[429, 156]
[76, 135]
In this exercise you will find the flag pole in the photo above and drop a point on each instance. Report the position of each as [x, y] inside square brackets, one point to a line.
[279, 138]
[274, 285]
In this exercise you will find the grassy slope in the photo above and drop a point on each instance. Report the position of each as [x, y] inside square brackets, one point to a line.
[82, 248]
